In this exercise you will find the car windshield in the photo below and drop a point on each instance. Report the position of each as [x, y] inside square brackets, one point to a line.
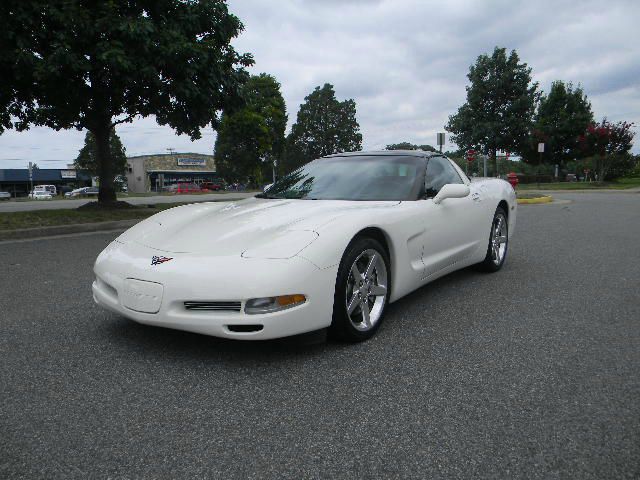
[366, 177]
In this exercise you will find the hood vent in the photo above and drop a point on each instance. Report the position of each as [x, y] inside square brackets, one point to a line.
[213, 306]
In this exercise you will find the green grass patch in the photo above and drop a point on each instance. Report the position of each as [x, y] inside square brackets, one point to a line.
[629, 182]
[50, 218]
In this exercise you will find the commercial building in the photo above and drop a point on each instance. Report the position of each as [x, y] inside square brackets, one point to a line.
[147, 173]
[17, 182]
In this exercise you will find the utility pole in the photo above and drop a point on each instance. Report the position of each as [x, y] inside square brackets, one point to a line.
[31, 176]
[160, 179]
[540, 151]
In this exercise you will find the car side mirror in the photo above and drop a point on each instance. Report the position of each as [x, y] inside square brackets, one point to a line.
[451, 190]
[267, 187]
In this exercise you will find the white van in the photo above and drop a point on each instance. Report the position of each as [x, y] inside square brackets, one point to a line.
[46, 188]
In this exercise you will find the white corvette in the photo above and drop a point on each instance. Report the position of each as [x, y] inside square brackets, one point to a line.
[329, 245]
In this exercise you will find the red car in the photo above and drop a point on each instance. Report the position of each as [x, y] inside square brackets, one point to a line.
[213, 186]
[185, 188]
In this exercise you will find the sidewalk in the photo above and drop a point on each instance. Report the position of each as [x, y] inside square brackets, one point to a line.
[585, 190]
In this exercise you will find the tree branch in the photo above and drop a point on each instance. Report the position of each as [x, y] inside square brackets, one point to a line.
[127, 119]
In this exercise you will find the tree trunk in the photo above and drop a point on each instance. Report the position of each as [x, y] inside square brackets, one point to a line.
[107, 193]
[603, 167]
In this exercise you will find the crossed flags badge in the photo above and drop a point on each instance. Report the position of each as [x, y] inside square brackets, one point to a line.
[158, 260]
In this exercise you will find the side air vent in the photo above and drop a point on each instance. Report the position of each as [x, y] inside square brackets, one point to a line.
[213, 306]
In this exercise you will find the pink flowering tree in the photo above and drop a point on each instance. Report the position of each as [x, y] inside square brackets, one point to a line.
[608, 143]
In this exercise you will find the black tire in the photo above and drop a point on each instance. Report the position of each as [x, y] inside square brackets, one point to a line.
[342, 325]
[490, 263]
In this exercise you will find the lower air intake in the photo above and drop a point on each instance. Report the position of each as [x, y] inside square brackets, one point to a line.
[245, 328]
[213, 306]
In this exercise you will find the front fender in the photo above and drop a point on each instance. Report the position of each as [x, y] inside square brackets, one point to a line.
[403, 234]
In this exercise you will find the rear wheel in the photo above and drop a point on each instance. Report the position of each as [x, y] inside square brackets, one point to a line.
[498, 243]
[362, 291]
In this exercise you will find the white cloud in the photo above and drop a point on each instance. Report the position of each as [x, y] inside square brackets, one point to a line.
[404, 63]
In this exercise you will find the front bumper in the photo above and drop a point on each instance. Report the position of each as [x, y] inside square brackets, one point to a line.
[199, 278]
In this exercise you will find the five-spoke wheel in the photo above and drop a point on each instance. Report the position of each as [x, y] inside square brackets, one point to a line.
[366, 290]
[499, 238]
[362, 290]
[498, 242]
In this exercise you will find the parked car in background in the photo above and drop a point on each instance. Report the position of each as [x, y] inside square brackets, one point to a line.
[5, 196]
[184, 188]
[73, 193]
[40, 195]
[46, 188]
[572, 177]
[64, 189]
[82, 192]
[213, 186]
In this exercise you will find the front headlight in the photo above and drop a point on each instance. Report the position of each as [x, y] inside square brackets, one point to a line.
[273, 304]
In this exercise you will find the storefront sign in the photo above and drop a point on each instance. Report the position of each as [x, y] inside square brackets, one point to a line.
[201, 162]
[67, 174]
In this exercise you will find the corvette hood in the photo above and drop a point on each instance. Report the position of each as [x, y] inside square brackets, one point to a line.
[252, 225]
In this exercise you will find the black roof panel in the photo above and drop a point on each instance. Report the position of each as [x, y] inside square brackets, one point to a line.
[385, 153]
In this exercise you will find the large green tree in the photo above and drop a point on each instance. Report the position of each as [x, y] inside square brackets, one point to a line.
[87, 158]
[409, 146]
[92, 65]
[323, 126]
[562, 116]
[251, 139]
[498, 113]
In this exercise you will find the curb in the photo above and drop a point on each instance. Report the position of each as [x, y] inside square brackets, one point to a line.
[537, 200]
[67, 229]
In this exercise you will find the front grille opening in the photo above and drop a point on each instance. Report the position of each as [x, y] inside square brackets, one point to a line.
[232, 306]
[245, 328]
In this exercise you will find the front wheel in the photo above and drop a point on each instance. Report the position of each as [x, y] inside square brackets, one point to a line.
[362, 291]
[498, 243]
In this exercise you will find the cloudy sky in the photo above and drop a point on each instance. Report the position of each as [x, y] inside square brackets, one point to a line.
[403, 62]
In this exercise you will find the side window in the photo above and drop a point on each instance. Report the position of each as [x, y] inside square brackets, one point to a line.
[439, 173]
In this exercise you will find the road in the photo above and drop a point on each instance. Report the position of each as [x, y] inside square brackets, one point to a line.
[533, 372]
[13, 206]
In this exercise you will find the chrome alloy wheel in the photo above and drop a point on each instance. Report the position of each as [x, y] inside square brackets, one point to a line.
[366, 290]
[499, 239]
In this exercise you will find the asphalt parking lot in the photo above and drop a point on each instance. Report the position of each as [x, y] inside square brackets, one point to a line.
[533, 372]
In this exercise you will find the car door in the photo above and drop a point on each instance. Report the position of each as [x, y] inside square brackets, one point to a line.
[450, 226]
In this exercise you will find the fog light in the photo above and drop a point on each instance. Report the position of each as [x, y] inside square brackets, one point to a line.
[273, 304]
